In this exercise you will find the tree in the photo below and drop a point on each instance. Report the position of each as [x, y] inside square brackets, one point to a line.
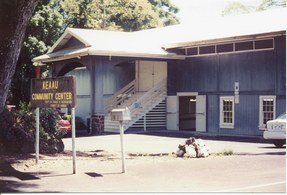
[44, 28]
[14, 17]
[125, 15]
[236, 7]
[51, 18]
[267, 4]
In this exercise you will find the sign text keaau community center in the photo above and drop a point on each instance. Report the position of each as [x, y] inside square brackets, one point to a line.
[53, 92]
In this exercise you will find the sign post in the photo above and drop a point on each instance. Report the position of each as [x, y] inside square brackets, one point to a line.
[121, 114]
[56, 92]
[37, 110]
[73, 140]
[122, 146]
[37, 134]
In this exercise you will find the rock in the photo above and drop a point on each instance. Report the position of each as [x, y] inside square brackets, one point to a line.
[190, 151]
[193, 148]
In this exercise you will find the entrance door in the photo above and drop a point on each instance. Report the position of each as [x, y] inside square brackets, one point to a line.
[150, 73]
[192, 113]
[201, 113]
[187, 113]
[172, 112]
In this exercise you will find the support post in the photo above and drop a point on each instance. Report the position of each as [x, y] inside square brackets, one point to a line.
[145, 122]
[37, 143]
[73, 140]
[122, 146]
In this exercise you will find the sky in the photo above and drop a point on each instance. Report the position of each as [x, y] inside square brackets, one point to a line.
[205, 9]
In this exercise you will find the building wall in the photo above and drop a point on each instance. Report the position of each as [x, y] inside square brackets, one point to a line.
[115, 74]
[258, 73]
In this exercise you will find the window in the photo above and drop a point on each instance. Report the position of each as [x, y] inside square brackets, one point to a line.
[222, 48]
[266, 110]
[264, 44]
[241, 46]
[227, 112]
[192, 51]
[207, 49]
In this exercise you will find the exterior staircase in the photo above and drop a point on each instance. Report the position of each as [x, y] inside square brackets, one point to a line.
[148, 109]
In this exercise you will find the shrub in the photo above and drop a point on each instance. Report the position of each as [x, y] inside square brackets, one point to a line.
[17, 131]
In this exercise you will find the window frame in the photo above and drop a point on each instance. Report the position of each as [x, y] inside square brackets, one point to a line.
[262, 126]
[223, 124]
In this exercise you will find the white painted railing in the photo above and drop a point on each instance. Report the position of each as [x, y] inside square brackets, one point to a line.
[146, 102]
[138, 105]
[119, 97]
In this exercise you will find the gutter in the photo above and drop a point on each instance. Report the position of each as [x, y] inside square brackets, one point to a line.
[104, 53]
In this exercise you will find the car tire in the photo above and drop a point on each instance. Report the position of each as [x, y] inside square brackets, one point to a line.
[279, 143]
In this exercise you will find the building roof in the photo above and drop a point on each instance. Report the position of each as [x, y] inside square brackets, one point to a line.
[153, 43]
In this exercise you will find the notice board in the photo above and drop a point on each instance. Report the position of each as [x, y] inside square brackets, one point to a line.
[58, 92]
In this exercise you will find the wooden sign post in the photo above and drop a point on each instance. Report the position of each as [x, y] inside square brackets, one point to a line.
[59, 92]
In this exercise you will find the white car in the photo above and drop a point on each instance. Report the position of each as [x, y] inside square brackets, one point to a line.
[276, 130]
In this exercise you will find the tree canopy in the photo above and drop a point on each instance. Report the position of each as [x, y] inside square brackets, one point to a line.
[51, 18]
[237, 7]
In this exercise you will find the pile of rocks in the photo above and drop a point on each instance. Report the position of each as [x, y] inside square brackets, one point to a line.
[193, 148]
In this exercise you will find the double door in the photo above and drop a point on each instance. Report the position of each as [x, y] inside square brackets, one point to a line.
[149, 74]
[186, 112]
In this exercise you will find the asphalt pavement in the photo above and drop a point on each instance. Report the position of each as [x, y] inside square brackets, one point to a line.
[253, 166]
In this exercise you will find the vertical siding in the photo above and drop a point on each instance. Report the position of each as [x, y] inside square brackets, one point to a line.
[83, 91]
[111, 75]
[117, 76]
[259, 73]
[212, 114]
[255, 71]
[281, 105]
[280, 45]
[247, 116]
[82, 81]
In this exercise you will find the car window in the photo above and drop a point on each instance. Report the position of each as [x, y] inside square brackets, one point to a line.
[282, 116]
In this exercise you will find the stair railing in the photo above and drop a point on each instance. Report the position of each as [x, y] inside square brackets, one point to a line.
[146, 102]
[120, 96]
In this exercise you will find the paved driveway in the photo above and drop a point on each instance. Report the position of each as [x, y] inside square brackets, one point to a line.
[150, 167]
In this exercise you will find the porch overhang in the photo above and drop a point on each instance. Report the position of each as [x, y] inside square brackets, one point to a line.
[78, 53]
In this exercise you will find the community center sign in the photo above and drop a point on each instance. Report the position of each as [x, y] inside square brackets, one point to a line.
[56, 92]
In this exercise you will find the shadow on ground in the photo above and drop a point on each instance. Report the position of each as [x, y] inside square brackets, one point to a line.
[12, 179]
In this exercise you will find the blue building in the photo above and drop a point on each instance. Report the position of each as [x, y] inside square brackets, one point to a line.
[223, 78]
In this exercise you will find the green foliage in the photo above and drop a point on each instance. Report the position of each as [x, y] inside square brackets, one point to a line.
[49, 122]
[124, 15]
[267, 4]
[225, 152]
[67, 117]
[17, 130]
[51, 18]
[236, 7]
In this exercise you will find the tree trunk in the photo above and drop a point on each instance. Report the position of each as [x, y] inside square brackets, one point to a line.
[14, 17]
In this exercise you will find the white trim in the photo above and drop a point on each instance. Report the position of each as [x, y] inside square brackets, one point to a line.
[65, 38]
[261, 98]
[234, 49]
[187, 93]
[221, 123]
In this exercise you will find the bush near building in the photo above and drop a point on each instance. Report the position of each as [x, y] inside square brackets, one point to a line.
[18, 128]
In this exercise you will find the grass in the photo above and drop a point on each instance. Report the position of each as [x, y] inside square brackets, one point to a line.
[225, 152]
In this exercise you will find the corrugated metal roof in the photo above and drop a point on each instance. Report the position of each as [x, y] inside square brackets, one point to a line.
[153, 42]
